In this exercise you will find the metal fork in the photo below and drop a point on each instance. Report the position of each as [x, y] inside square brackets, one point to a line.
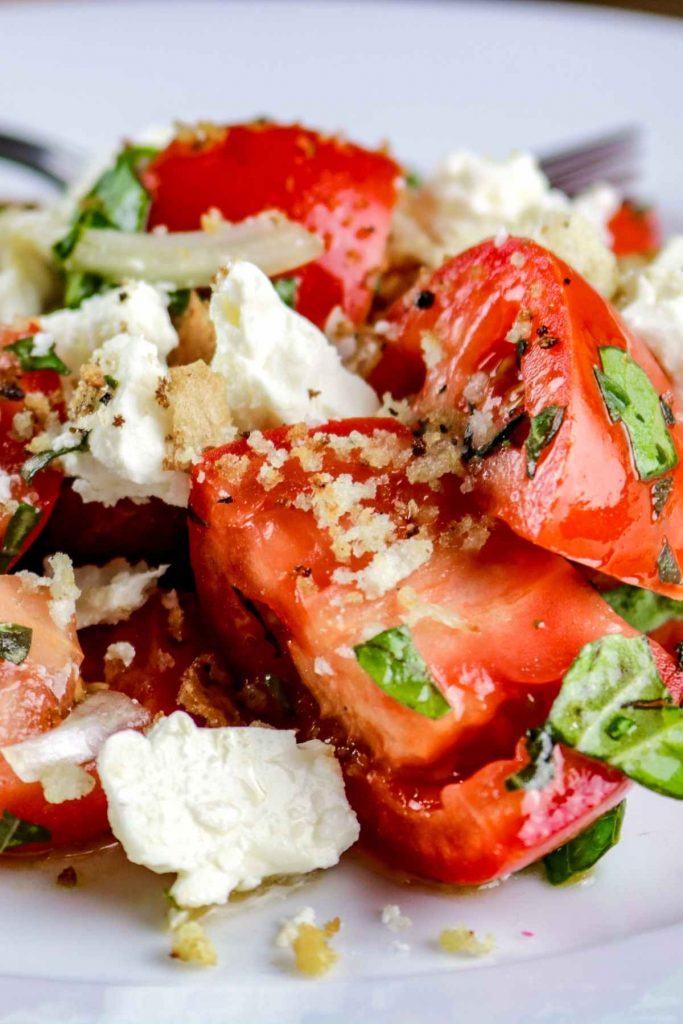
[612, 158]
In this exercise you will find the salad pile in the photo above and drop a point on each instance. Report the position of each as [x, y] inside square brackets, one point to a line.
[335, 503]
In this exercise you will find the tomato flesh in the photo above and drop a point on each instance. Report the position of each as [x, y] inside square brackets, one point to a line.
[636, 231]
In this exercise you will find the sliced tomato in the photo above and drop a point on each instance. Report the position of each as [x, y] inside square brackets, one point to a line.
[512, 333]
[42, 492]
[496, 620]
[468, 833]
[635, 230]
[338, 190]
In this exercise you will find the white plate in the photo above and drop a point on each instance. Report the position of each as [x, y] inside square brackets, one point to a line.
[428, 77]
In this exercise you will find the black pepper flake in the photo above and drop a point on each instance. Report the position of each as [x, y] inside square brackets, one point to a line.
[567, 280]
[520, 349]
[227, 500]
[442, 389]
[303, 570]
[667, 412]
[412, 530]
[12, 392]
[425, 299]
[419, 447]
[106, 398]
[194, 517]
[443, 429]
[668, 569]
[661, 490]
[68, 878]
[678, 648]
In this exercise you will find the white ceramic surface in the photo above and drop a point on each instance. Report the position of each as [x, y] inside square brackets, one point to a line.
[428, 76]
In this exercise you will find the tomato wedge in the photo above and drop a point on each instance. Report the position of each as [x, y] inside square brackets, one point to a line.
[496, 620]
[338, 190]
[582, 445]
[42, 492]
[635, 230]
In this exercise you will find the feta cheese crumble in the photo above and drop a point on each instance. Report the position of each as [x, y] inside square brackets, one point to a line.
[393, 919]
[113, 592]
[224, 808]
[278, 367]
[655, 308]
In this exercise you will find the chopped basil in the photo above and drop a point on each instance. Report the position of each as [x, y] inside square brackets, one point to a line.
[393, 662]
[178, 301]
[15, 832]
[612, 680]
[79, 286]
[111, 382]
[497, 441]
[643, 609]
[413, 179]
[630, 397]
[43, 459]
[286, 289]
[543, 429]
[15, 642]
[18, 529]
[586, 849]
[668, 568]
[541, 768]
[23, 348]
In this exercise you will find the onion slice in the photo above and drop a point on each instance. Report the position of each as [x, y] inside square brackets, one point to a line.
[189, 259]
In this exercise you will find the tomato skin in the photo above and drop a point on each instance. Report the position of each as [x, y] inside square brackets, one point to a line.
[635, 231]
[43, 491]
[338, 190]
[471, 832]
[585, 500]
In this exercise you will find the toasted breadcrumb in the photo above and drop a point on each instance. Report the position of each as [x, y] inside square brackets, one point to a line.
[190, 943]
[196, 334]
[466, 942]
[313, 954]
[204, 693]
[200, 414]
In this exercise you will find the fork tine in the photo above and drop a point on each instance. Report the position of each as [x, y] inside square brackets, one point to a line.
[612, 158]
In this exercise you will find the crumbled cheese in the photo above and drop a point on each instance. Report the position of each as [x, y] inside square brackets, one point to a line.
[465, 941]
[278, 367]
[432, 349]
[27, 280]
[654, 310]
[113, 592]
[127, 433]
[393, 919]
[289, 928]
[388, 567]
[64, 591]
[7, 480]
[189, 942]
[122, 652]
[224, 808]
[476, 387]
[136, 308]
[322, 667]
[578, 243]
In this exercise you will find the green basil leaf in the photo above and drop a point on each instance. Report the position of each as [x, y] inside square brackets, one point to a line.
[542, 430]
[394, 663]
[111, 382]
[178, 301]
[643, 609]
[35, 463]
[79, 286]
[15, 832]
[23, 348]
[413, 179]
[286, 289]
[586, 849]
[541, 768]
[630, 398]
[614, 706]
[497, 441]
[15, 642]
[19, 527]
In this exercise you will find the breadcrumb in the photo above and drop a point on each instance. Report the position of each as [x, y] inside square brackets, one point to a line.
[313, 954]
[464, 941]
[190, 943]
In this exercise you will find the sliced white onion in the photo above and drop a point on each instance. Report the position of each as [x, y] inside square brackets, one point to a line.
[53, 757]
[189, 259]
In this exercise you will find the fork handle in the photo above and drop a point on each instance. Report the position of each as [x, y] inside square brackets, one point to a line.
[53, 161]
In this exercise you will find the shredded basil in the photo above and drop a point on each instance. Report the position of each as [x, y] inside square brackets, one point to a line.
[79, 286]
[111, 382]
[543, 429]
[643, 609]
[668, 568]
[19, 527]
[630, 398]
[497, 441]
[35, 463]
[585, 850]
[413, 179]
[286, 289]
[178, 301]
[15, 642]
[541, 768]
[391, 659]
[15, 832]
[23, 348]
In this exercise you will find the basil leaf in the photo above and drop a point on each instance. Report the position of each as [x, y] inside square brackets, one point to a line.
[393, 662]
[23, 348]
[541, 768]
[79, 286]
[643, 609]
[586, 849]
[286, 289]
[413, 178]
[15, 832]
[630, 397]
[111, 382]
[15, 642]
[668, 568]
[497, 441]
[543, 429]
[614, 706]
[178, 301]
[43, 459]
[18, 529]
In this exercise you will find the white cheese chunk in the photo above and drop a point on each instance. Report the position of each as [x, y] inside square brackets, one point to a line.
[127, 436]
[27, 281]
[112, 593]
[279, 368]
[224, 808]
[655, 309]
[136, 308]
